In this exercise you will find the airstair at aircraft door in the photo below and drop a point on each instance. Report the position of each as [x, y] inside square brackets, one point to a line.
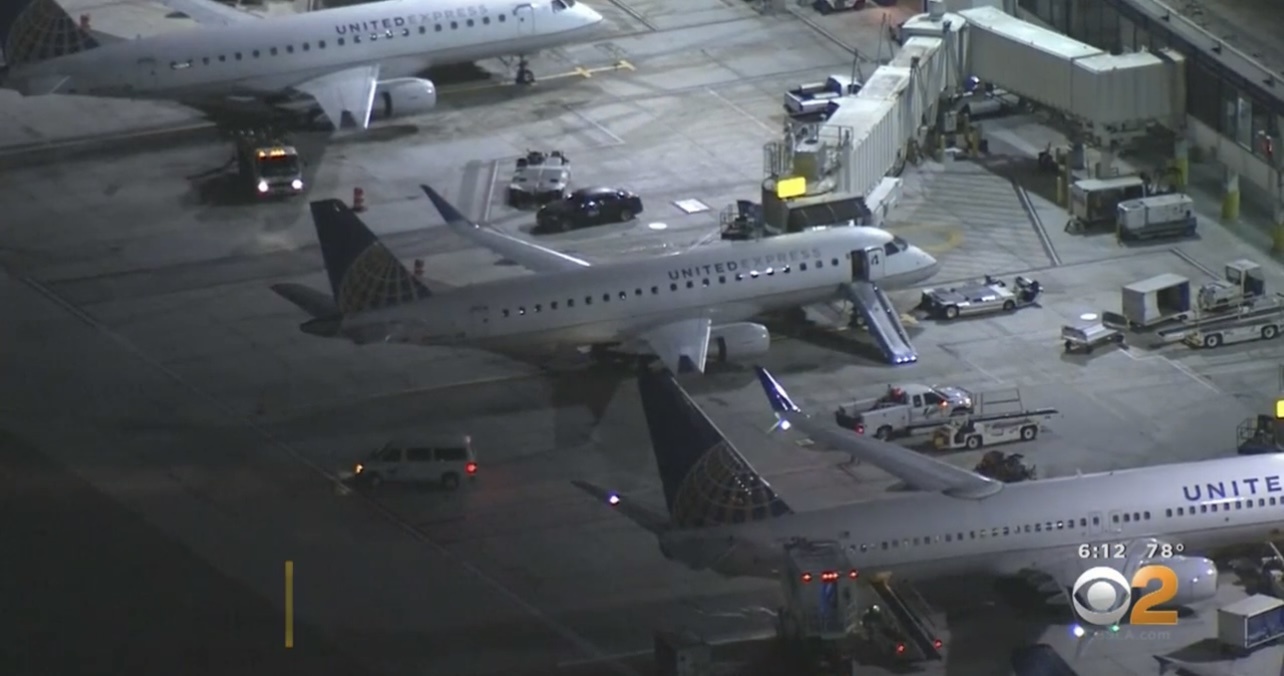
[911, 614]
[883, 321]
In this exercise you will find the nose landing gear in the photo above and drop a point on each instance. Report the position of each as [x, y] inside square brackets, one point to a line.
[524, 74]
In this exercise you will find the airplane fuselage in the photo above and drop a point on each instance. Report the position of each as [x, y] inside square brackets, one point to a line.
[596, 305]
[1026, 526]
[272, 55]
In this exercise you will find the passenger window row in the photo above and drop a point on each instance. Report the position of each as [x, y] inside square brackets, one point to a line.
[674, 286]
[983, 533]
[321, 44]
[1243, 503]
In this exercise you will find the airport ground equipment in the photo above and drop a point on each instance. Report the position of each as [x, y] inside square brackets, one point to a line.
[831, 6]
[905, 408]
[447, 464]
[743, 221]
[1171, 215]
[1088, 335]
[1150, 302]
[1259, 435]
[831, 611]
[1094, 202]
[1250, 623]
[991, 295]
[539, 178]
[268, 166]
[1264, 321]
[982, 429]
[876, 312]
[1243, 283]
[1008, 468]
[814, 100]
[682, 653]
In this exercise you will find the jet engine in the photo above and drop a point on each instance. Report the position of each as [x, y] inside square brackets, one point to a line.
[404, 96]
[742, 339]
[1196, 579]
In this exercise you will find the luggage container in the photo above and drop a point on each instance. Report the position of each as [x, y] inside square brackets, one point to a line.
[1251, 623]
[1156, 300]
[1094, 201]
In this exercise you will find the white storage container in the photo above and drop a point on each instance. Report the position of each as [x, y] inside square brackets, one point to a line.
[1139, 213]
[1112, 89]
[1023, 58]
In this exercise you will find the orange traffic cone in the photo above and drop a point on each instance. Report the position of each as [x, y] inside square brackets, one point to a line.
[419, 267]
[358, 199]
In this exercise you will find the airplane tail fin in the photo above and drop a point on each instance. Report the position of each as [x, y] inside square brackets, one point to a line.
[37, 30]
[706, 480]
[364, 275]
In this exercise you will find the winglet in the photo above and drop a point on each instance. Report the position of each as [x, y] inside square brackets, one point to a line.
[446, 209]
[1165, 664]
[776, 394]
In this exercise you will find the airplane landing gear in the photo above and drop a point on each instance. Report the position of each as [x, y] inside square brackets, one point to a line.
[524, 74]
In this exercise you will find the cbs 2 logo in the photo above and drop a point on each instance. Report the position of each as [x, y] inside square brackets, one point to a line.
[1106, 595]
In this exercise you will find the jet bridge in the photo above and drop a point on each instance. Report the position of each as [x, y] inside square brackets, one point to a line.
[1108, 93]
[883, 322]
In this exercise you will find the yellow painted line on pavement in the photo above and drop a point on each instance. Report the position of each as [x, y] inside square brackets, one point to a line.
[578, 71]
[952, 235]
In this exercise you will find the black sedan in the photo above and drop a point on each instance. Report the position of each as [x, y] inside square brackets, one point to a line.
[587, 207]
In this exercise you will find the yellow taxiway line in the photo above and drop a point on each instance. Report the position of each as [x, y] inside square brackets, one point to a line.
[578, 71]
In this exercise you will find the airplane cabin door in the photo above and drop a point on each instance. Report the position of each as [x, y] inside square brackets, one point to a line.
[478, 321]
[867, 265]
[146, 75]
[525, 16]
[1095, 523]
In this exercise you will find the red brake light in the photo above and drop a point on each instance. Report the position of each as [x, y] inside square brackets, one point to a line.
[853, 574]
[860, 429]
[806, 577]
[900, 648]
[471, 468]
[936, 643]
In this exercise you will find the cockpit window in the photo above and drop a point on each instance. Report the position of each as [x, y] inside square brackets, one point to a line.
[900, 243]
[559, 5]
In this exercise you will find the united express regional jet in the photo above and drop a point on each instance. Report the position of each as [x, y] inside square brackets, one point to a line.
[723, 516]
[347, 60]
[679, 307]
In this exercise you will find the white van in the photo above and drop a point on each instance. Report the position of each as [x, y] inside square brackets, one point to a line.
[445, 464]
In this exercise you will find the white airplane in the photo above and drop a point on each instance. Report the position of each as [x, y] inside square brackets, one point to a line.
[675, 307]
[1183, 668]
[344, 60]
[723, 516]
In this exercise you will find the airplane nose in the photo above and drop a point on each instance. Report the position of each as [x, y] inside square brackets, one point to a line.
[590, 15]
[928, 263]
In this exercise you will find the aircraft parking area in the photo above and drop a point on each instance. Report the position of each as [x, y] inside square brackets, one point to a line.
[165, 398]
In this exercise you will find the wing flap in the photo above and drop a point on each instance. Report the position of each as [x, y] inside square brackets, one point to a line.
[676, 343]
[351, 91]
[209, 13]
[919, 471]
[529, 255]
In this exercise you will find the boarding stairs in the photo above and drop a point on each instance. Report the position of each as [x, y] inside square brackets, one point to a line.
[913, 616]
[883, 322]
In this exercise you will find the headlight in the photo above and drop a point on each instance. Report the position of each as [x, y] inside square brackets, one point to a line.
[263, 186]
[358, 469]
[297, 184]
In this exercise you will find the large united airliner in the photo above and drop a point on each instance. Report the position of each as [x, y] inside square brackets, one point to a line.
[723, 516]
[346, 60]
[681, 307]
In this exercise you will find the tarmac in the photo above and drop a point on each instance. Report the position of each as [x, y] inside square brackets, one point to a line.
[163, 404]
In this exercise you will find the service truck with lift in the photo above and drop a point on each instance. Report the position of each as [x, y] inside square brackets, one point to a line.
[990, 295]
[1094, 202]
[832, 614]
[1261, 321]
[904, 408]
[816, 99]
[998, 417]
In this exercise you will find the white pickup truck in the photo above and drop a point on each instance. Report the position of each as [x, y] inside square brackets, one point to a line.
[905, 408]
[812, 100]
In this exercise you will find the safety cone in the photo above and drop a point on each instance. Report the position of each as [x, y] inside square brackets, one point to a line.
[84, 22]
[419, 267]
[358, 199]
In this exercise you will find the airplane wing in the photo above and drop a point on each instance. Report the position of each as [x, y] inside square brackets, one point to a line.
[351, 91]
[529, 255]
[918, 470]
[672, 342]
[210, 13]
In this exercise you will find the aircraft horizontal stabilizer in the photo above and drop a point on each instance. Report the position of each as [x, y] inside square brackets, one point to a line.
[650, 520]
[529, 255]
[311, 301]
[918, 470]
